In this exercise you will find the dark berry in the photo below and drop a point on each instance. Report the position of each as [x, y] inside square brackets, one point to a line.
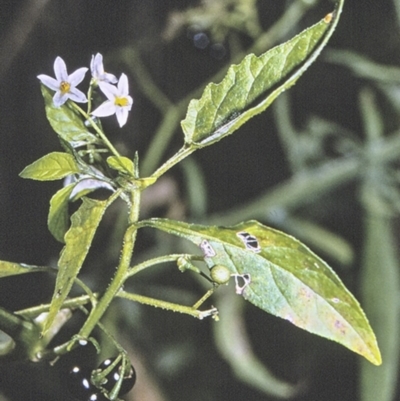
[112, 378]
[80, 386]
[84, 355]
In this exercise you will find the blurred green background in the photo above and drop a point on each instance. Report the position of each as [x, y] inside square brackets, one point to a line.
[321, 164]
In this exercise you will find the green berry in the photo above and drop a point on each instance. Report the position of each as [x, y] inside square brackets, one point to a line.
[220, 274]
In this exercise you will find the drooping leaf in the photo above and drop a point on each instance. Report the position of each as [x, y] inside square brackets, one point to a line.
[66, 122]
[123, 164]
[251, 86]
[54, 166]
[78, 239]
[15, 269]
[58, 219]
[282, 276]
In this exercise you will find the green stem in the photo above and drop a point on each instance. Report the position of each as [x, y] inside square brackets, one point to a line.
[204, 298]
[96, 128]
[155, 261]
[72, 303]
[176, 158]
[157, 303]
[25, 335]
[89, 97]
[123, 267]
[13, 325]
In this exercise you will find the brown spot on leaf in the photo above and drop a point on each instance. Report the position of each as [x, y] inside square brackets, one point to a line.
[328, 18]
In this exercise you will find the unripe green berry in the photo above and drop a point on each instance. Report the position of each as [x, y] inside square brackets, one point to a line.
[220, 274]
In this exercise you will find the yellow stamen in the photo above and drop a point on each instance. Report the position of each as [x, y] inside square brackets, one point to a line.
[121, 101]
[65, 87]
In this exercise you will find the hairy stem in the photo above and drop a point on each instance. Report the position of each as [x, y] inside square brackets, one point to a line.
[122, 269]
[97, 129]
[157, 303]
[175, 159]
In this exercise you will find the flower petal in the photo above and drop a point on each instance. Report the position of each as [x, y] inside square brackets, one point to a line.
[123, 85]
[105, 109]
[60, 98]
[60, 70]
[88, 184]
[111, 78]
[130, 102]
[122, 115]
[96, 65]
[50, 82]
[77, 76]
[76, 95]
[109, 90]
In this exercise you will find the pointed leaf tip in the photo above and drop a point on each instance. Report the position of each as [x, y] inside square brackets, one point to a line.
[224, 107]
[54, 166]
[280, 275]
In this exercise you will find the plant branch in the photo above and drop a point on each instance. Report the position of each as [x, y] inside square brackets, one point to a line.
[188, 310]
[123, 267]
[176, 158]
[96, 128]
[155, 261]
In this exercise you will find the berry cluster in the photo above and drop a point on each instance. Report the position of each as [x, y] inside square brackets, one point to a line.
[81, 384]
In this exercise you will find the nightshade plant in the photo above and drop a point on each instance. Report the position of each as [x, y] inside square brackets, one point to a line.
[272, 270]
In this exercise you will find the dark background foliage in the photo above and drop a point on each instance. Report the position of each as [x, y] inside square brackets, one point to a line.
[177, 352]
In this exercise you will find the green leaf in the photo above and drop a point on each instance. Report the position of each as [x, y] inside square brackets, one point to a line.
[282, 276]
[66, 122]
[58, 219]
[78, 239]
[54, 166]
[15, 269]
[122, 163]
[224, 107]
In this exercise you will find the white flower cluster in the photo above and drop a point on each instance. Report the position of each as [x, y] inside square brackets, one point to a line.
[118, 100]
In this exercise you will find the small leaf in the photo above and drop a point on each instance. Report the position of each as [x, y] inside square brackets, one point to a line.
[54, 166]
[58, 219]
[224, 107]
[282, 276]
[66, 122]
[15, 269]
[123, 164]
[78, 239]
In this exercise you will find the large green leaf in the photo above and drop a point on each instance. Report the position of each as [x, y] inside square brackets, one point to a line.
[58, 219]
[54, 166]
[284, 278]
[78, 239]
[66, 122]
[251, 86]
[15, 269]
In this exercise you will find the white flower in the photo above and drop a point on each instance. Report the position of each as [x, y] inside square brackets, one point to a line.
[98, 73]
[119, 102]
[64, 84]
